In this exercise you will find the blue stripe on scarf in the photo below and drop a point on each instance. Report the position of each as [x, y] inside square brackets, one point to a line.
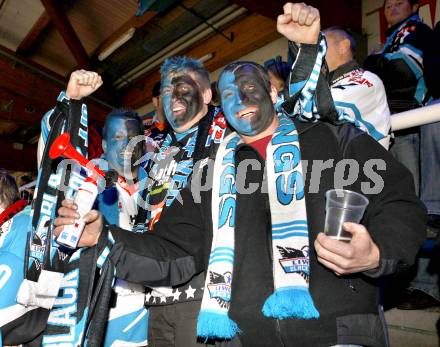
[221, 254]
[295, 222]
[228, 260]
[283, 230]
[290, 234]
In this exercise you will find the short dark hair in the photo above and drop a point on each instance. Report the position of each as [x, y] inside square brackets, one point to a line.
[343, 33]
[412, 2]
[278, 67]
[156, 89]
[8, 189]
[126, 114]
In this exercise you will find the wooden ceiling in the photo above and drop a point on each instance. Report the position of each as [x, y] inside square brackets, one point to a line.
[43, 41]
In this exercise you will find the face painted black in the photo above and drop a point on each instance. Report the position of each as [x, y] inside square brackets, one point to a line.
[246, 100]
[182, 100]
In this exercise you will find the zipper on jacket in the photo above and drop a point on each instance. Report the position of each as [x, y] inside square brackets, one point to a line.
[278, 329]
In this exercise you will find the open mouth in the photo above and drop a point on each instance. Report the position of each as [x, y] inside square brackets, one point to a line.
[125, 155]
[248, 112]
[178, 109]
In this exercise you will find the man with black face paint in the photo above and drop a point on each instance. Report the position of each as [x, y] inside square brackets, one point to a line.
[248, 298]
[195, 133]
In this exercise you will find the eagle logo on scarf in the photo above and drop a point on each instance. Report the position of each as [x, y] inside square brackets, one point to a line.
[295, 261]
[220, 287]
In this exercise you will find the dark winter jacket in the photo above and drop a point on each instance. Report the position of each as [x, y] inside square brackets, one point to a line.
[404, 63]
[348, 305]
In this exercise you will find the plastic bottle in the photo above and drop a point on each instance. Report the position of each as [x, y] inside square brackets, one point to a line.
[84, 199]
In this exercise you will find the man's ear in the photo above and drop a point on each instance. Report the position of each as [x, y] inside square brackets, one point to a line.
[344, 46]
[273, 94]
[104, 145]
[207, 96]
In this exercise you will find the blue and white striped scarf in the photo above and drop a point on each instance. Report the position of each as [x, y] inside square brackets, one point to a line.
[290, 238]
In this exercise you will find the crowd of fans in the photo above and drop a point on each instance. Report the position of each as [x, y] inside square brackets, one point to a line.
[173, 274]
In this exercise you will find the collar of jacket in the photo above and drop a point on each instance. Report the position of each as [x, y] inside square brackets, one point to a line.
[301, 127]
[391, 29]
[342, 70]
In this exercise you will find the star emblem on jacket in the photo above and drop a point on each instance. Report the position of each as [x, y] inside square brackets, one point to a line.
[295, 260]
[220, 287]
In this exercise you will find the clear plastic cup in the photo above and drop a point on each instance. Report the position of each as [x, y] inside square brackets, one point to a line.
[342, 206]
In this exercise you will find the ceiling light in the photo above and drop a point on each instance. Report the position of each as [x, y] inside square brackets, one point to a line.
[206, 57]
[116, 44]
[194, 36]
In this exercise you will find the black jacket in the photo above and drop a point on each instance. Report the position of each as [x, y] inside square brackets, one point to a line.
[348, 305]
[406, 64]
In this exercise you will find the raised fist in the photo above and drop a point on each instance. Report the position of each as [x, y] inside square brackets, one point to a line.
[82, 83]
[300, 23]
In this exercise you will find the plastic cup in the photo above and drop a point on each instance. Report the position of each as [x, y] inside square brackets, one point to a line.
[342, 206]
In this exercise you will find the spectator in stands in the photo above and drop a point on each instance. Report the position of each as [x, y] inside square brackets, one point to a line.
[404, 65]
[358, 93]
[400, 66]
[157, 132]
[13, 237]
[278, 72]
[8, 195]
[28, 192]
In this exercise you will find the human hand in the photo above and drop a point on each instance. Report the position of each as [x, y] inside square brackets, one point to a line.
[299, 23]
[360, 254]
[67, 214]
[82, 83]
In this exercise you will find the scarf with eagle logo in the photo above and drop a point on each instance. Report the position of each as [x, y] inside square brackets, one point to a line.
[290, 238]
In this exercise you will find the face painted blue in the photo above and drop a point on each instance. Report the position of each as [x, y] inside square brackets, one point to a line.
[167, 101]
[232, 104]
[246, 100]
[119, 132]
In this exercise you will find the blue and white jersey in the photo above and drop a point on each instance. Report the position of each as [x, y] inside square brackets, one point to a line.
[13, 240]
[128, 320]
[361, 96]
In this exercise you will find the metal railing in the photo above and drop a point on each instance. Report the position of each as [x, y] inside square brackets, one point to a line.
[419, 116]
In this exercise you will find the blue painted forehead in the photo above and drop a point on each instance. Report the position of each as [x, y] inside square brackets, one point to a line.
[231, 73]
[226, 78]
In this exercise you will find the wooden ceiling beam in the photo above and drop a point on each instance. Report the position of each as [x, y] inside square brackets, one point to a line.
[37, 89]
[62, 24]
[246, 40]
[347, 13]
[30, 41]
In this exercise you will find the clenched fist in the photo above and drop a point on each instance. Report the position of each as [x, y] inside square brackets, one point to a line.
[300, 23]
[82, 83]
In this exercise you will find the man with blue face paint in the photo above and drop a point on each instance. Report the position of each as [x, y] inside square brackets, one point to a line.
[309, 285]
[123, 145]
[246, 100]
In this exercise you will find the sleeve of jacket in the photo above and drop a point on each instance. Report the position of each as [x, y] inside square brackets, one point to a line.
[387, 70]
[170, 255]
[395, 217]
[400, 68]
